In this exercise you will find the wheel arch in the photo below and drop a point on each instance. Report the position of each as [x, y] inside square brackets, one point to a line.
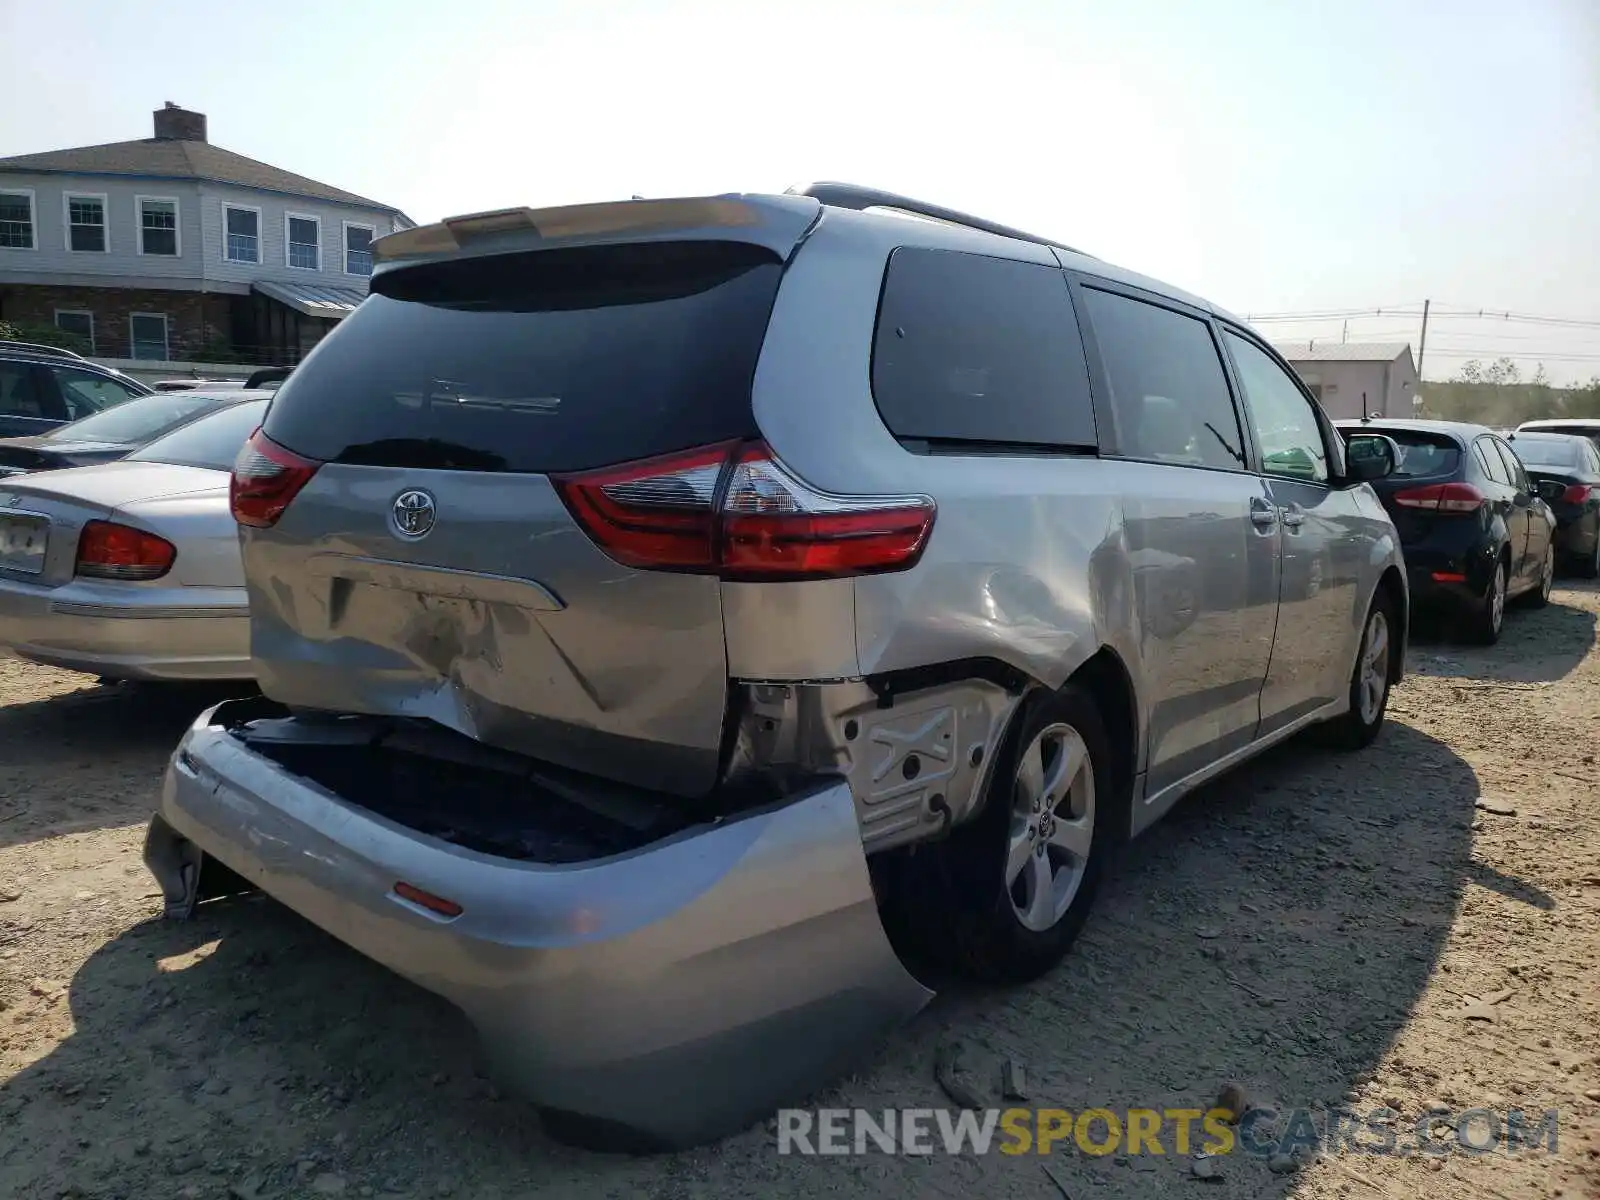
[1106, 678]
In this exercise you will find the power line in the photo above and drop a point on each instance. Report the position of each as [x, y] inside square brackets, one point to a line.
[1414, 309]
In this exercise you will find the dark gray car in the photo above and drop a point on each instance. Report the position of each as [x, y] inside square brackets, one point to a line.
[42, 387]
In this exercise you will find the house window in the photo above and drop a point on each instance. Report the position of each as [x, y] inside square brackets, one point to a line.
[16, 221]
[86, 224]
[148, 334]
[244, 234]
[304, 238]
[358, 249]
[158, 225]
[78, 323]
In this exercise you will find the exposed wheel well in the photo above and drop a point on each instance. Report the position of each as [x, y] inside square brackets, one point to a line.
[1106, 678]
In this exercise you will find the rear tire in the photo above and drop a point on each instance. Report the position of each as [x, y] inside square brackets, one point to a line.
[1370, 678]
[1488, 617]
[1540, 596]
[1004, 897]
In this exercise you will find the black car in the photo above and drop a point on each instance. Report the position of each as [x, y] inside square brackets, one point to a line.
[1566, 469]
[42, 387]
[1474, 530]
[115, 432]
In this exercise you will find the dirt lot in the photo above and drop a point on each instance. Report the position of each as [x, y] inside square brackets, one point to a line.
[1322, 930]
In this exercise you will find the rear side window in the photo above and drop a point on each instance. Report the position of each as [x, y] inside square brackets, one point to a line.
[1167, 384]
[1492, 464]
[552, 360]
[976, 349]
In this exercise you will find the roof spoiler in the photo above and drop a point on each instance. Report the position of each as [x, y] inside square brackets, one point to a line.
[266, 375]
[777, 222]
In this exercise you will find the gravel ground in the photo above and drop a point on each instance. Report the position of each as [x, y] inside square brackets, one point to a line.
[1410, 925]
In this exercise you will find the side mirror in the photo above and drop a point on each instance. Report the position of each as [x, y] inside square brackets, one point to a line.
[1371, 456]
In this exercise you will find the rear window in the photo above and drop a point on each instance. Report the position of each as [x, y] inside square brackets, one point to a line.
[975, 349]
[1564, 452]
[213, 441]
[1421, 454]
[552, 360]
[136, 420]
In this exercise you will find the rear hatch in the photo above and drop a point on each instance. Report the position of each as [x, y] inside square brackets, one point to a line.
[428, 565]
[1427, 459]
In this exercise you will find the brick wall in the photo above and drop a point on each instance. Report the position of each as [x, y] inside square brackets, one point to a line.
[195, 320]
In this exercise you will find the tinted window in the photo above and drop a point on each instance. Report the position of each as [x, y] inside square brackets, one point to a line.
[136, 421]
[1167, 383]
[1562, 452]
[86, 393]
[1491, 461]
[213, 441]
[1285, 423]
[977, 349]
[555, 360]
[18, 396]
[1421, 453]
[1519, 477]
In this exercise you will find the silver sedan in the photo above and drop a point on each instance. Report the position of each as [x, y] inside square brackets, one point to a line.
[131, 569]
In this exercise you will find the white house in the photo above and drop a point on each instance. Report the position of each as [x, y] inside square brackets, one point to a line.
[170, 247]
[1356, 379]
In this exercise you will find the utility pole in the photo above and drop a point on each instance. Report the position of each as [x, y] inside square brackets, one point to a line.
[1345, 336]
[1422, 345]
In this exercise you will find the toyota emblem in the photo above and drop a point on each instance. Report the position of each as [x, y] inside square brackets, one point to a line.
[414, 514]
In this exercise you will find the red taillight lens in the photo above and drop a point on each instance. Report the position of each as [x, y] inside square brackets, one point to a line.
[1442, 497]
[1576, 494]
[266, 477]
[110, 551]
[742, 515]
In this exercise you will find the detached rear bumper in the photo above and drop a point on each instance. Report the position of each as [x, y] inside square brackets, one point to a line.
[674, 994]
[128, 632]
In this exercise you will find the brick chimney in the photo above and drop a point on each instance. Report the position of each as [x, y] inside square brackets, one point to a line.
[179, 124]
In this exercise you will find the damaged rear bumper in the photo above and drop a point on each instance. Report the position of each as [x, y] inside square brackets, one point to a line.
[667, 996]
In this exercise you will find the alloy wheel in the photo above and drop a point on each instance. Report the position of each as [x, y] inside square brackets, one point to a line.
[1374, 671]
[1052, 826]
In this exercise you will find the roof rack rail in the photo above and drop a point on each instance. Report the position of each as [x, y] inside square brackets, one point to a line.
[37, 348]
[849, 195]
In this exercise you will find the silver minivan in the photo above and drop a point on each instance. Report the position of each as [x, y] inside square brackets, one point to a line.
[674, 615]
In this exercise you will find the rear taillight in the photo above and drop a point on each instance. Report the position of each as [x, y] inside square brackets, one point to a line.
[1442, 497]
[1577, 494]
[266, 477]
[110, 551]
[740, 514]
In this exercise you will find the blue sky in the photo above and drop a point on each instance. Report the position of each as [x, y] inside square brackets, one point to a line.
[1272, 156]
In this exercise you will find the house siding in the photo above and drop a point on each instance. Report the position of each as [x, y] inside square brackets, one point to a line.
[200, 261]
[273, 210]
[50, 254]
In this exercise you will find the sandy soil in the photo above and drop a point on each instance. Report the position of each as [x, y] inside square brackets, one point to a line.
[1318, 929]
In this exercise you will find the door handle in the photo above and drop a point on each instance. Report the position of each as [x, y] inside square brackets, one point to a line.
[1262, 514]
[1293, 518]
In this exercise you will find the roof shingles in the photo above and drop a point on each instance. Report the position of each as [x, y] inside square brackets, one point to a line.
[169, 158]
